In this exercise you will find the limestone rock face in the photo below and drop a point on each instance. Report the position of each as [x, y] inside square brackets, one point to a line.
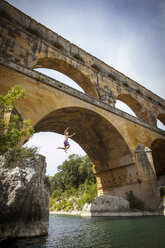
[24, 200]
[109, 204]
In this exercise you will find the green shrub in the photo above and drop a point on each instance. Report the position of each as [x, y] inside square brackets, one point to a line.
[57, 194]
[87, 193]
[69, 205]
[40, 78]
[60, 84]
[16, 155]
[52, 203]
[134, 202]
[162, 192]
[66, 201]
[80, 203]
[60, 205]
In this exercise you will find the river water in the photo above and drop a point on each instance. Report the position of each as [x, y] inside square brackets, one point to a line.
[98, 232]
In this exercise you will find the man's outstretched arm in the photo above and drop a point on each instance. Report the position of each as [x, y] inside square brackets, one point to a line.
[72, 135]
[66, 130]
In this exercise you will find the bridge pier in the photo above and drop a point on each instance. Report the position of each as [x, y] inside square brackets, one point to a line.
[147, 176]
[139, 177]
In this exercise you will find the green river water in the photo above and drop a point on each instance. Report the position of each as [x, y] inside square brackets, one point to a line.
[98, 232]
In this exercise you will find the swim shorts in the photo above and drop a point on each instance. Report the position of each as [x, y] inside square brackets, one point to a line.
[66, 143]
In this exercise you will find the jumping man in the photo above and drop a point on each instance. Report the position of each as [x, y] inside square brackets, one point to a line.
[66, 137]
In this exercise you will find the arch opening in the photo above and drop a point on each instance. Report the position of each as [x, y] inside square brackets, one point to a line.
[96, 136]
[132, 103]
[158, 153]
[60, 77]
[161, 121]
[70, 70]
[124, 107]
[140, 111]
[160, 125]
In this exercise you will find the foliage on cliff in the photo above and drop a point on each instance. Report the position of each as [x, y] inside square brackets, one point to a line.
[12, 127]
[73, 185]
[14, 157]
[162, 192]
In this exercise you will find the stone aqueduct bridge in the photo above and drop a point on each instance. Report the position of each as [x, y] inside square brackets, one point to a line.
[127, 152]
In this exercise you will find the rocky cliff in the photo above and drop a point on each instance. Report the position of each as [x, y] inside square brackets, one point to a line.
[24, 200]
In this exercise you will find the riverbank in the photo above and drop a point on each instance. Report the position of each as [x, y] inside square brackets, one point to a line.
[113, 206]
[110, 214]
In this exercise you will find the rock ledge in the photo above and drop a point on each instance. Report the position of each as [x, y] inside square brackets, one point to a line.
[24, 200]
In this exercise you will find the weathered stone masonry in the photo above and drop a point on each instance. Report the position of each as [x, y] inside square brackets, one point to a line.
[30, 43]
[109, 136]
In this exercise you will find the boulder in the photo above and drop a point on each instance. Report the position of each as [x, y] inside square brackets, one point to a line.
[24, 199]
[109, 204]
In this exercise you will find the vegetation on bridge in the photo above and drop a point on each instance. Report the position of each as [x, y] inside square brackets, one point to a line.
[73, 185]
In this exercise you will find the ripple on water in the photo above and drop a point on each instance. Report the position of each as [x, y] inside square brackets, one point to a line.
[98, 232]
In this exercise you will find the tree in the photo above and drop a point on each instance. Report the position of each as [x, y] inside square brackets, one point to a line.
[7, 102]
[72, 173]
[12, 129]
[73, 185]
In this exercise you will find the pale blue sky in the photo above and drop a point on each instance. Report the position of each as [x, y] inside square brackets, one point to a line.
[129, 35]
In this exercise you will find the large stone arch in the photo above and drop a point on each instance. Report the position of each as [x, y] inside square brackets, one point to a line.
[108, 136]
[68, 68]
[97, 136]
[137, 108]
